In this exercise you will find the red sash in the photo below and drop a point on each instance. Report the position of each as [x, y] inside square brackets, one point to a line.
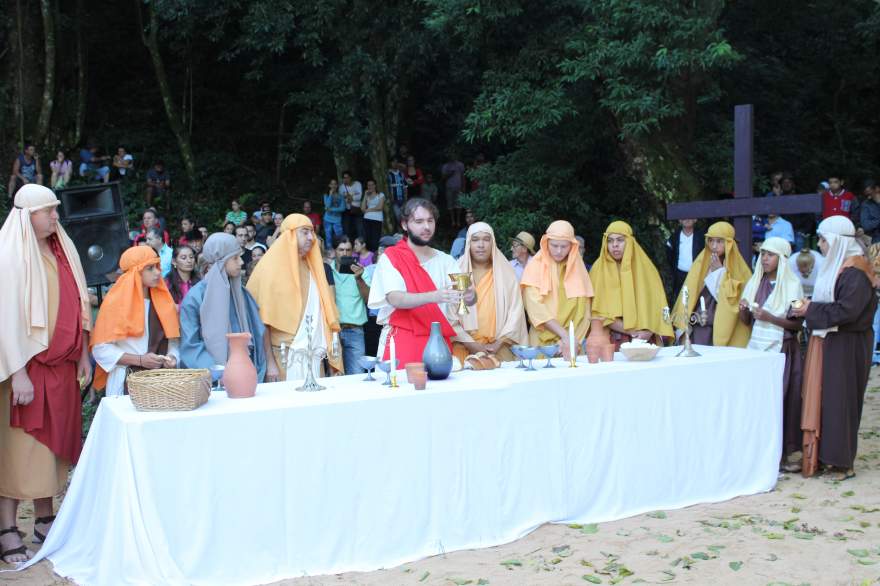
[54, 417]
[412, 327]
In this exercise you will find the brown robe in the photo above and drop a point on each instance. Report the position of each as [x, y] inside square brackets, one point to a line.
[841, 363]
[703, 334]
[28, 468]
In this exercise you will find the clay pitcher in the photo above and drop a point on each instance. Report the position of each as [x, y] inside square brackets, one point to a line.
[240, 375]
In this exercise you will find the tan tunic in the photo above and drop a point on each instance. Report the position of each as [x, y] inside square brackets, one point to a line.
[29, 469]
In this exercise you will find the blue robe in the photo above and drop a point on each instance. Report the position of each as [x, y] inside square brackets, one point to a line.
[194, 353]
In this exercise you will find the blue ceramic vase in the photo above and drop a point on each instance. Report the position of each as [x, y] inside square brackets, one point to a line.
[437, 357]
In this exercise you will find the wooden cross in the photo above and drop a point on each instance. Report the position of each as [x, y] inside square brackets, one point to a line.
[744, 205]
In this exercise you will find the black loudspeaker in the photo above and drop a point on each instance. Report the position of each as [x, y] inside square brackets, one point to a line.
[94, 219]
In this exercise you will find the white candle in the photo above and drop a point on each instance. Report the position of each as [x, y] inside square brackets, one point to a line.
[571, 345]
[666, 313]
[393, 365]
[684, 297]
[702, 303]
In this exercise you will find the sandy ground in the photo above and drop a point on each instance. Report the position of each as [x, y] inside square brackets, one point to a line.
[803, 532]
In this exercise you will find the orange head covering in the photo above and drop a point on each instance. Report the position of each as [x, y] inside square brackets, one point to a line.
[275, 282]
[537, 272]
[631, 290]
[122, 312]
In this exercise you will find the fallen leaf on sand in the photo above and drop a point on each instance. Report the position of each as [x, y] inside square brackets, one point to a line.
[735, 566]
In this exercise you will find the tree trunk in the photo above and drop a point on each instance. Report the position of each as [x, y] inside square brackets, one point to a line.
[378, 129]
[82, 65]
[150, 38]
[342, 160]
[48, 100]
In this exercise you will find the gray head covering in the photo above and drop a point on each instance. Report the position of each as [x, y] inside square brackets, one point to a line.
[219, 291]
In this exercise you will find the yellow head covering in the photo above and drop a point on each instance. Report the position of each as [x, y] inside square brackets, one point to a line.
[276, 288]
[728, 330]
[631, 290]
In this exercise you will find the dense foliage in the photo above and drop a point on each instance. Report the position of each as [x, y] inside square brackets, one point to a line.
[586, 109]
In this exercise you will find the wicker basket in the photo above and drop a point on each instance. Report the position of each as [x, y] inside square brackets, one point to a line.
[182, 389]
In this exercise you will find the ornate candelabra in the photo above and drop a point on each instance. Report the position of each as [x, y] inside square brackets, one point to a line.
[690, 319]
[310, 354]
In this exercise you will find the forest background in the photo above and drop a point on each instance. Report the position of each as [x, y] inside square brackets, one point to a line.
[587, 110]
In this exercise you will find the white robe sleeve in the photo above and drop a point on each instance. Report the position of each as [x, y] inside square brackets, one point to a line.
[713, 281]
[385, 280]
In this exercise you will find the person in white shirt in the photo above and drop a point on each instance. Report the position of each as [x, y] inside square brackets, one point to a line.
[411, 287]
[681, 249]
[522, 249]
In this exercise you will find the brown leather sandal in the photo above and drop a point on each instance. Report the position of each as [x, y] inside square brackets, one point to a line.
[20, 550]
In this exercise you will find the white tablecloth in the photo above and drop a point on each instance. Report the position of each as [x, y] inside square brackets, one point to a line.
[359, 477]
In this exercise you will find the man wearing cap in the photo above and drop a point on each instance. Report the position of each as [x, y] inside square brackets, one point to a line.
[522, 249]
[44, 309]
[289, 283]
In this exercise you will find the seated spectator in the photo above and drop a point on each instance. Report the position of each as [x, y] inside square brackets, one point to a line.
[236, 215]
[90, 166]
[123, 164]
[315, 218]
[187, 225]
[264, 207]
[204, 232]
[154, 240]
[195, 240]
[414, 178]
[150, 219]
[429, 188]
[362, 254]
[779, 227]
[279, 219]
[158, 182]
[870, 212]
[229, 228]
[241, 235]
[25, 169]
[251, 234]
[582, 244]
[265, 228]
[62, 168]
[183, 273]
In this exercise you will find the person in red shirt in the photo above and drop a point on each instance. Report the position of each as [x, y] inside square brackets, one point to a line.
[837, 201]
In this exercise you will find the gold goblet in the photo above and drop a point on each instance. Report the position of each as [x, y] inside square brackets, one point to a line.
[461, 282]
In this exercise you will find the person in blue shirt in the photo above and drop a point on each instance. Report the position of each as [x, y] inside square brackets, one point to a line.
[334, 206]
[779, 227]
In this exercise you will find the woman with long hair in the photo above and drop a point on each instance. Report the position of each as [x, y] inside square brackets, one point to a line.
[183, 273]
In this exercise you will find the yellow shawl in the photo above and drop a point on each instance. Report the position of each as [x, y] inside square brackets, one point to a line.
[276, 288]
[727, 329]
[631, 290]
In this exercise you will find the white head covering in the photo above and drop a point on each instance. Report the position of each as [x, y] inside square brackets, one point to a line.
[24, 298]
[220, 291]
[840, 234]
[765, 335]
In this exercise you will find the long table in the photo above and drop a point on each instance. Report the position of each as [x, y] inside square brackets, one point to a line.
[360, 477]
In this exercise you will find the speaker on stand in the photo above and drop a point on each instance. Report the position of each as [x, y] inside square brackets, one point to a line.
[94, 218]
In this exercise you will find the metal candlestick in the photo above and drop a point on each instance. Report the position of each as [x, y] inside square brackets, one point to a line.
[310, 354]
[394, 384]
[692, 319]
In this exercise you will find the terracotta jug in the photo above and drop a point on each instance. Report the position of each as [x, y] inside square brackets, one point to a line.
[240, 375]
